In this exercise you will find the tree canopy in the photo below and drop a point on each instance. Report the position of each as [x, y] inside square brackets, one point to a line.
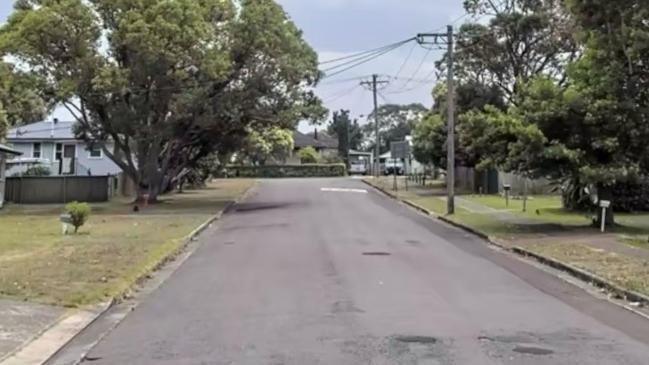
[348, 132]
[268, 144]
[523, 39]
[23, 98]
[167, 82]
[396, 121]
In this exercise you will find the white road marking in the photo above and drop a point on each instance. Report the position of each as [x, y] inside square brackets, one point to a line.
[341, 190]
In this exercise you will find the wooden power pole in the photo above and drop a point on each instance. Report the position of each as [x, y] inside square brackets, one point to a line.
[448, 40]
[377, 151]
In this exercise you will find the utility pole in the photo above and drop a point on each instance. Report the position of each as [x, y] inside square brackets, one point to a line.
[373, 84]
[448, 40]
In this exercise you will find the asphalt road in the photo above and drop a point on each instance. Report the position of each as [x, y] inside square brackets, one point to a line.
[298, 276]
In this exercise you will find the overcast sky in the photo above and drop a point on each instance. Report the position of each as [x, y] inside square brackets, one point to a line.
[336, 28]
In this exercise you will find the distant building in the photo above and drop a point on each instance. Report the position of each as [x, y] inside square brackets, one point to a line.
[325, 145]
[5, 153]
[53, 144]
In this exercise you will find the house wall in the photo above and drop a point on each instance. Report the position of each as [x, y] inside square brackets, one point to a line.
[97, 166]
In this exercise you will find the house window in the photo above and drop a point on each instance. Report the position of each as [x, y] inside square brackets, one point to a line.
[58, 154]
[95, 152]
[36, 151]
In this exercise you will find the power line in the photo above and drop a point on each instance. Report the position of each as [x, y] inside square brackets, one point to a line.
[342, 81]
[340, 94]
[405, 61]
[366, 52]
[365, 57]
[366, 60]
[421, 64]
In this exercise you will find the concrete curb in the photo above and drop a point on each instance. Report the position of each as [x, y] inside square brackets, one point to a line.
[600, 282]
[32, 353]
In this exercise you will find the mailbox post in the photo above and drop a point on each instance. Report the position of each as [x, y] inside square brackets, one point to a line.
[507, 189]
[604, 204]
[66, 222]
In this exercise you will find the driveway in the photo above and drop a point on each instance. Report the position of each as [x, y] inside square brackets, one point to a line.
[322, 271]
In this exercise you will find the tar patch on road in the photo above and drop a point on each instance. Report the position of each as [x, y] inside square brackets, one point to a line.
[532, 350]
[376, 254]
[416, 339]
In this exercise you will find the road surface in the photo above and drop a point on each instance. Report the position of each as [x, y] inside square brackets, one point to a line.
[307, 272]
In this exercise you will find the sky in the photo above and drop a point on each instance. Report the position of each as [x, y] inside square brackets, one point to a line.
[336, 28]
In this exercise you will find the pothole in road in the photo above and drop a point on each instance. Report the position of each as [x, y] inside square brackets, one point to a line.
[416, 339]
[376, 254]
[519, 345]
[532, 350]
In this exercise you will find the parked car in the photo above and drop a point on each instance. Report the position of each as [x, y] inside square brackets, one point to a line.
[358, 168]
[393, 166]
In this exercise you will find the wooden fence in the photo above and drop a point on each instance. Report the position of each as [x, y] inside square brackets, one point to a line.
[59, 189]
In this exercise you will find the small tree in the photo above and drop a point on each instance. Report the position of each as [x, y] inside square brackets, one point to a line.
[38, 170]
[309, 155]
[268, 144]
[79, 213]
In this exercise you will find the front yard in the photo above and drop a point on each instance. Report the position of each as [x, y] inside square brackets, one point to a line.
[113, 249]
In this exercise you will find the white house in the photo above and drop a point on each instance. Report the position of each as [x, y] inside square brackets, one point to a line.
[5, 152]
[53, 144]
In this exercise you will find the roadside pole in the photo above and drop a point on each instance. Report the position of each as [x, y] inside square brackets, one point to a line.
[377, 150]
[448, 39]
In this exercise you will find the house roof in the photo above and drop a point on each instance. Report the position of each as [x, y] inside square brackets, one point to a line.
[9, 150]
[301, 140]
[45, 130]
[325, 140]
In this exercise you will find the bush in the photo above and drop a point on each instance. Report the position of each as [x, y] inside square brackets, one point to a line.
[309, 155]
[79, 213]
[38, 170]
[271, 171]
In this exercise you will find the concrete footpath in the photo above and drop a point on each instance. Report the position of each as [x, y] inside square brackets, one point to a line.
[21, 322]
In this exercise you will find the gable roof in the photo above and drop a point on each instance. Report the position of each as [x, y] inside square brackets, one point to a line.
[325, 140]
[45, 130]
[9, 150]
[301, 140]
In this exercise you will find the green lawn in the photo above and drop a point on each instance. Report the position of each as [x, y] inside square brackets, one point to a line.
[540, 207]
[111, 251]
[626, 271]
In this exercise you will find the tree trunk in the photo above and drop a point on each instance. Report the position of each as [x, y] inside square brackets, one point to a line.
[605, 192]
[142, 193]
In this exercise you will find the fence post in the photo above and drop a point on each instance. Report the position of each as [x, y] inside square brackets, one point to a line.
[20, 194]
[65, 190]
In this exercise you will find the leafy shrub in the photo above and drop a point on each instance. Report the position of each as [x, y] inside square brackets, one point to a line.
[309, 155]
[79, 213]
[333, 159]
[271, 171]
[38, 170]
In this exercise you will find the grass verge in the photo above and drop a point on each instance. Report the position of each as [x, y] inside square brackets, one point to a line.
[626, 271]
[106, 257]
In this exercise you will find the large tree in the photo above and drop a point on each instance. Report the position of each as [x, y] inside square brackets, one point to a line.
[396, 121]
[522, 39]
[348, 132]
[22, 97]
[166, 81]
[430, 133]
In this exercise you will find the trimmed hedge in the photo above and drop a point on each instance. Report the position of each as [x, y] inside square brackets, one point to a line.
[306, 170]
